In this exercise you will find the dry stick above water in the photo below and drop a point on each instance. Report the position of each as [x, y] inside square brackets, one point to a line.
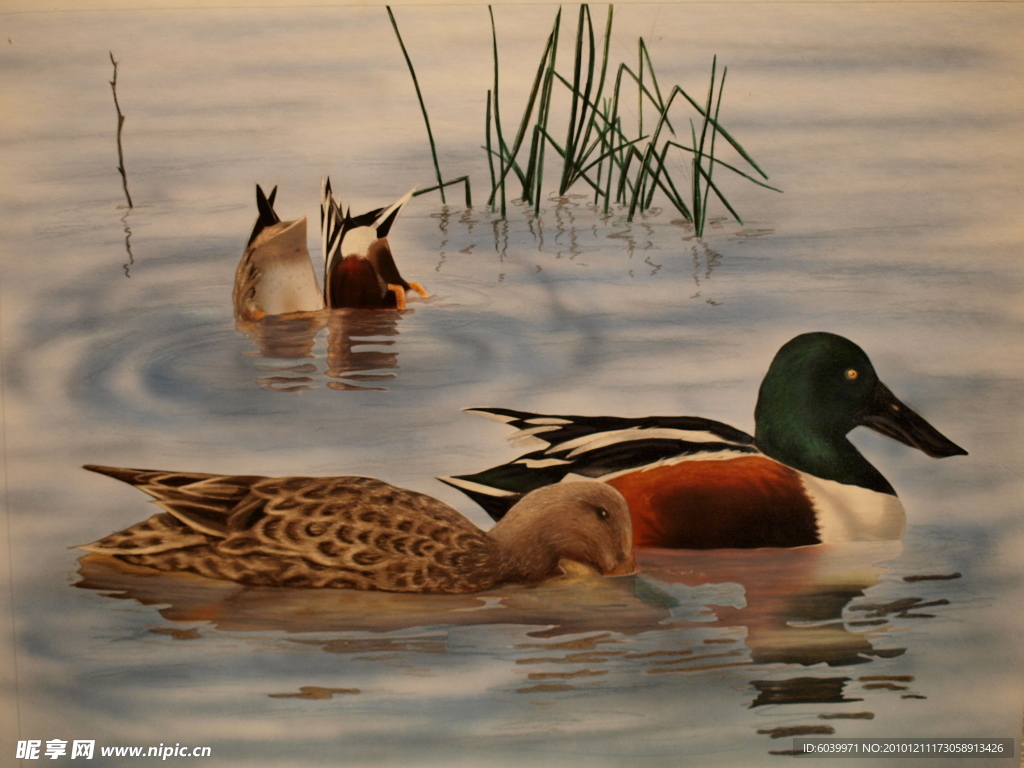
[120, 125]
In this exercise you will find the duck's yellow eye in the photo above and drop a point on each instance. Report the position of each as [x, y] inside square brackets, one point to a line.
[851, 373]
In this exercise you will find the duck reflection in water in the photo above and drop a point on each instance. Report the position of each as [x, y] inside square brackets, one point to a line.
[354, 341]
[790, 607]
[360, 346]
[793, 600]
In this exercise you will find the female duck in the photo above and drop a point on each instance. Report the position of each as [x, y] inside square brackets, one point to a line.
[699, 484]
[361, 533]
[275, 275]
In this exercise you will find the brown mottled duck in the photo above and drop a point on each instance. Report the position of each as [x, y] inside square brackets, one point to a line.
[361, 533]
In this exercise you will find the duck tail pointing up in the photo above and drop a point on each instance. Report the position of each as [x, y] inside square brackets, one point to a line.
[331, 222]
[387, 218]
[267, 217]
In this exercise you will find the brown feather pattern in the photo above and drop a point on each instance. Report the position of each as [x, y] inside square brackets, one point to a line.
[360, 533]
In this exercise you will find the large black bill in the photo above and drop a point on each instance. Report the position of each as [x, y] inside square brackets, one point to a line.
[886, 414]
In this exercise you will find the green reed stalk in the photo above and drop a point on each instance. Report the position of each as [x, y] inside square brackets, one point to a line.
[461, 180]
[490, 152]
[711, 153]
[699, 198]
[729, 167]
[497, 110]
[423, 106]
[576, 121]
[513, 152]
[583, 148]
[537, 165]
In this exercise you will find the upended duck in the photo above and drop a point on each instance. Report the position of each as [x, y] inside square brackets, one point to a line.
[361, 533]
[359, 268]
[694, 483]
[275, 275]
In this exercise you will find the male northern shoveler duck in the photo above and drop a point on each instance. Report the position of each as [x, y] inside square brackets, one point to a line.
[361, 533]
[275, 275]
[360, 271]
[693, 483]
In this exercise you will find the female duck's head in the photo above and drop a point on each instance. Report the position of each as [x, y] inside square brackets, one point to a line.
[584, 521]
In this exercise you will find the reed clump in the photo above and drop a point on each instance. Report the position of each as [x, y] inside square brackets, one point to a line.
[622, 161]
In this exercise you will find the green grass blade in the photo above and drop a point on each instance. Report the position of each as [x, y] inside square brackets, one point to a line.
[695, 182]
[525, 120]
[595, 112]
[657, 175]
[530, 185]
[497, 109]
[726, 135]
[544, 115]
[714, 133]
[645, 162]
[574, 104]
[720, 196]
[654, 79]
[699, 196]
[611, 152]
[461, 180]
[729, 167]
[419, 95]
[490, 152]
[673, 194]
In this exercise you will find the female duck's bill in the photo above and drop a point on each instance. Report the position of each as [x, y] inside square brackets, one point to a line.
[275, 275]
[699, 484]
[359, 268]
[361, 533]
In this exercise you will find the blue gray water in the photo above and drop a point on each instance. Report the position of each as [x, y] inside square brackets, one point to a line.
[893, 131]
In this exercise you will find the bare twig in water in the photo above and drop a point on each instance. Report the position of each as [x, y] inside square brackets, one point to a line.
[128, 245]
[120, 125]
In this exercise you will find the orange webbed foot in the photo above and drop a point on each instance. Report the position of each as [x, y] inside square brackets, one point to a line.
[399, 292]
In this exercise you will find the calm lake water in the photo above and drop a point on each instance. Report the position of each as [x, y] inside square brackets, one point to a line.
[894, 131]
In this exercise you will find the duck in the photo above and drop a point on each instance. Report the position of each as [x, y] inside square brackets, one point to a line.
[275, 275]
[695, 483]
[359, 268]
[361, 533]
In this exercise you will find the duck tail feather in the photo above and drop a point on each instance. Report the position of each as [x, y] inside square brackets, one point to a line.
[495, 502]
[266, 216]
[390, 214]
[331, 224]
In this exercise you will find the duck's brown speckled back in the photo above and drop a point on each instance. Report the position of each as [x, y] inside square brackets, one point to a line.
[348, 532]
